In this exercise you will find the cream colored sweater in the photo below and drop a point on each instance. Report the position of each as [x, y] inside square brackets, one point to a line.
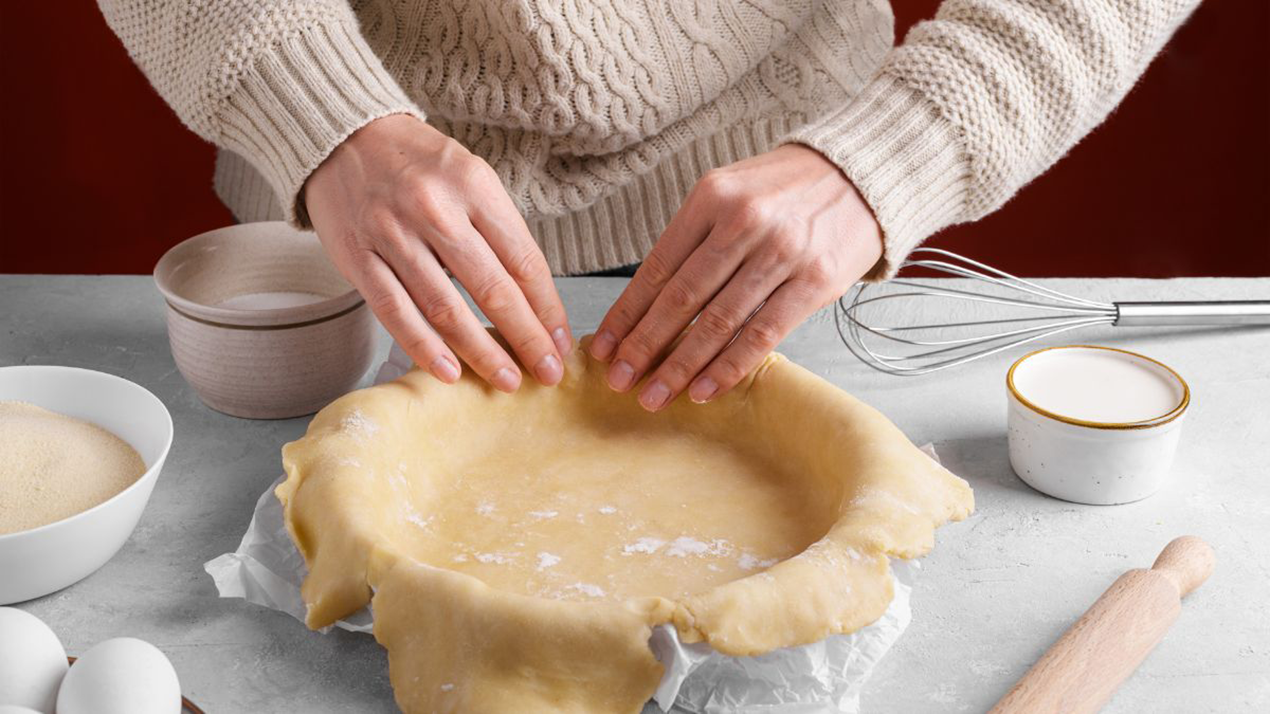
[599, 115]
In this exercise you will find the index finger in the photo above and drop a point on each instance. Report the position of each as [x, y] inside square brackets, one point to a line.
[468, 255]
[391, 303]
[508, 236]
[444, 309]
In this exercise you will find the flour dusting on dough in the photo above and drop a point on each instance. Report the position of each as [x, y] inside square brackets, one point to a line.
[447, 687]
[495, 558]
[358, 425]
[868, 497]
[644, 545]
[406, 506]
[542, 515]
[587, 589]
[607, 510]
[485, 508]
[546, 560]
[460, 558]
[685, 546]
[681, 547]
[750, 562]
[415, 517]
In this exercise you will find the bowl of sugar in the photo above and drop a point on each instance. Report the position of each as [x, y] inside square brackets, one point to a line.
[82, 452]
[260, 322]
[1094, 425]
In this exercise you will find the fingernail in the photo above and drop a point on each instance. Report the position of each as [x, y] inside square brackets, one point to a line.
[564, 345]
[505, 379]
[621, 376]
[702, 390]
[444, 369]
[654, 396]
[549, 370]
[602, 345]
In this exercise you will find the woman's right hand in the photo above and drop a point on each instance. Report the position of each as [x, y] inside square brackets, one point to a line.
[396, 205]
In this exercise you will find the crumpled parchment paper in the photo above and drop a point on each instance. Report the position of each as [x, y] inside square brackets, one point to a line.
[824, 677]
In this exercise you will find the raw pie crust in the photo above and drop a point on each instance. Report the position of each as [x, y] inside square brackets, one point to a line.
[519, 548]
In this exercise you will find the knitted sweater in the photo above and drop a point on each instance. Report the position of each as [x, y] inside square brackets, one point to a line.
[598, 115]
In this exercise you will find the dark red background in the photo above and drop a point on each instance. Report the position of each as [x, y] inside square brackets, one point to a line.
[99, 176]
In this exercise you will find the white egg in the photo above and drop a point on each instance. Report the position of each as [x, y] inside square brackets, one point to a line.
[32, 661]
[121, 676]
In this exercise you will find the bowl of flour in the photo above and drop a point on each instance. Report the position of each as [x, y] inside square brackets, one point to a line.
[80, 452]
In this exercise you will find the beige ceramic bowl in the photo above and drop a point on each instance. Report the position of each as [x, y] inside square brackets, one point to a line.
[261, 324]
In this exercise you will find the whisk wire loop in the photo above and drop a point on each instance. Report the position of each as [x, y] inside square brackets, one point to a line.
[1058, 313]
[981, 271]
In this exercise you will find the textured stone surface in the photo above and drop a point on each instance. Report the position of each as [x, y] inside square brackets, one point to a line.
[998, 589]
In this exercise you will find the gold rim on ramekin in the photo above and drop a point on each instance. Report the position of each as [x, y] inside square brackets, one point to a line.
[1161, 420]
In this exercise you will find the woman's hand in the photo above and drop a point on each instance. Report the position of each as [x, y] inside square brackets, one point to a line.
[757, 247]
[396, 205]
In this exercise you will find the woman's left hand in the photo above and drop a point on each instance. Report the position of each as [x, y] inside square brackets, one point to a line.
[756, 248]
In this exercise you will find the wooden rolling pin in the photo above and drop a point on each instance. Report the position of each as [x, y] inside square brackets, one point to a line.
[1082, 670]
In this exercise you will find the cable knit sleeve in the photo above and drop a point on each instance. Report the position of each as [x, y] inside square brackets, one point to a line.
[980, 100]
[278, 82]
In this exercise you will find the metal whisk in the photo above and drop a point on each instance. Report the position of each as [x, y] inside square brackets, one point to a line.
[1038, 313]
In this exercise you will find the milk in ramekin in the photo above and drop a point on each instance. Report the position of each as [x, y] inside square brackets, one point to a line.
[1092, 424]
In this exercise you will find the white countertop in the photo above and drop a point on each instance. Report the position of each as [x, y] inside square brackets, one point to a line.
[995, 593]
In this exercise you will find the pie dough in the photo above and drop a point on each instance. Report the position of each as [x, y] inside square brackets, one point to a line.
[520, 548]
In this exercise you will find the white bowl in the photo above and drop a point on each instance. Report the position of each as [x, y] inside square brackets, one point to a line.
[42, 560]
[1104, 434]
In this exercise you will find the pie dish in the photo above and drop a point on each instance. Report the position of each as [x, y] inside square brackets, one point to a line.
[517, 550]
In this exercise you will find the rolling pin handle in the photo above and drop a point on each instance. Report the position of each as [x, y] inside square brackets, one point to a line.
[1080, 672]
[1186, 561]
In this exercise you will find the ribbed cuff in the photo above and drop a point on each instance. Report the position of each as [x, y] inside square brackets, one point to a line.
[904, 158]
[300, 99]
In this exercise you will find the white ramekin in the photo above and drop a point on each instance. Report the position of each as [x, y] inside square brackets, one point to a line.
[1100, 463]
[42, 560]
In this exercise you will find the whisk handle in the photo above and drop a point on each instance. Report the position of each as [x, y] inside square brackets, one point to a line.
[1211, 312]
